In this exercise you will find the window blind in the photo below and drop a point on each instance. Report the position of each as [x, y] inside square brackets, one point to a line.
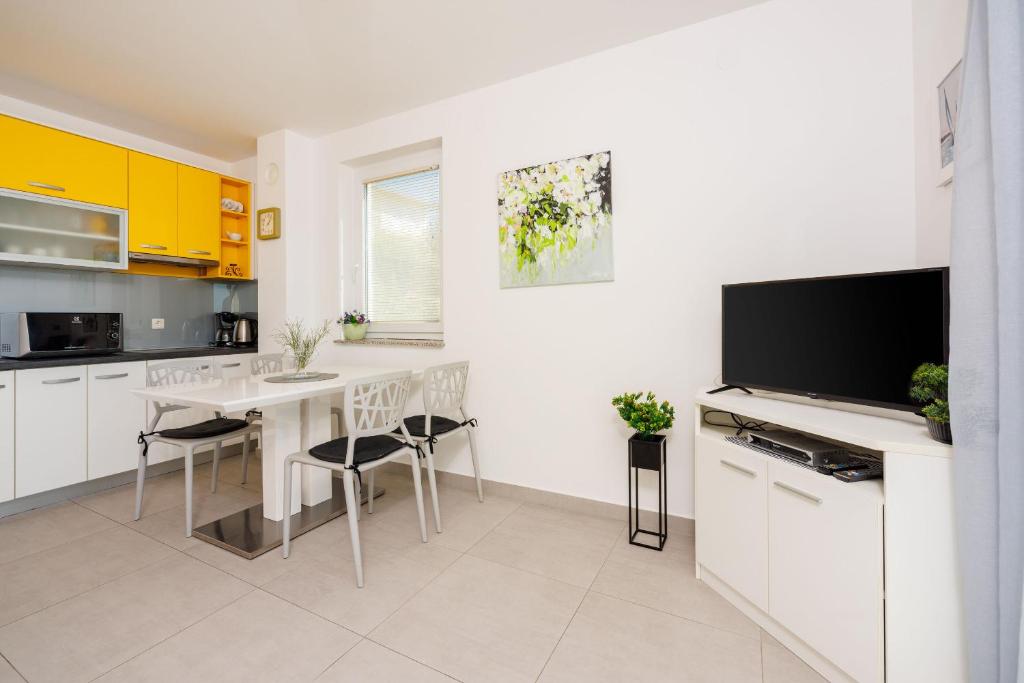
[403, 250]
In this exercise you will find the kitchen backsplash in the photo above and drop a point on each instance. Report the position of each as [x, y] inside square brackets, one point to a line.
[186, 305]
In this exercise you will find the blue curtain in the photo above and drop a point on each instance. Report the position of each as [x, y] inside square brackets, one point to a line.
[987, 338]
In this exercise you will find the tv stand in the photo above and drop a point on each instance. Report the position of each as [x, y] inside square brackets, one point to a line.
[727, 387]
[860, 580]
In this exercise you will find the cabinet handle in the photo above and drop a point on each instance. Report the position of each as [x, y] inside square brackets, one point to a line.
[803, 494]
[153, 246]
[231, 365]
[117, 376]
[66, 380]
[3, 386]
[199, 251]
[742, 470]
[46, 186]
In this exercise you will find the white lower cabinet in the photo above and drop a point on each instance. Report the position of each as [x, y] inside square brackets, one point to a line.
[50, 428]
[732, 504]
[115, 417]
[6, 436]
[826, 566]
[235, 366]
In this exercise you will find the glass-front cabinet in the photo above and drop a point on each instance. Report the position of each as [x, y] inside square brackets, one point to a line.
[52, 231]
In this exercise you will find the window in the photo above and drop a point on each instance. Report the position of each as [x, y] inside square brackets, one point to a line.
[402, 223]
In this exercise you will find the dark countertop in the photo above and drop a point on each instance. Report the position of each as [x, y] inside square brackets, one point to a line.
[123, 357]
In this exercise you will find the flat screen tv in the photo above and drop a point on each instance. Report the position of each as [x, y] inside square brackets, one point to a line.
[853, 338]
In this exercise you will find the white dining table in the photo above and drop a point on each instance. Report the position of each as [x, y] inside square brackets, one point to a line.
[295, 416]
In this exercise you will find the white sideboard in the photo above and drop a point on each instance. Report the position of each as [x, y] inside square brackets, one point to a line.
[859, 579]
[65, 425]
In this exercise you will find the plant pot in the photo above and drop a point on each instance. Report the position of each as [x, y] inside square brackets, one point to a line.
[646, 454]
[354, 332]
[940, 431]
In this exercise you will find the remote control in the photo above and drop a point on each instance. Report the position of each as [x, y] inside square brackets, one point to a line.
[863, 473]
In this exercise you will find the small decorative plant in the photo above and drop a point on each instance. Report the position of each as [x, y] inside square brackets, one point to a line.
[302, 343]
[930, 386]
[645, 414]
[354, 324]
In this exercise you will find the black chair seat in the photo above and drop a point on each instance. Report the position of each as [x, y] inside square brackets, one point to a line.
[417, 425]
[368, 449]
[204, 430]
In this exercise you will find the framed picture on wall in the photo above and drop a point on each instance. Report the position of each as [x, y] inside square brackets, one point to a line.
[949, 111]
[268, 223]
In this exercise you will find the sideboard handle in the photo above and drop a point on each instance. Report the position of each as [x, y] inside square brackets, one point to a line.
[742, 470]
[798, 492]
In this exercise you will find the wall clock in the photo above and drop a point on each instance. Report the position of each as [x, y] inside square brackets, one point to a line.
[268, 223]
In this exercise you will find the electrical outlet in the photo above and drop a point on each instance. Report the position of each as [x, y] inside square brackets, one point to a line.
[158, 323]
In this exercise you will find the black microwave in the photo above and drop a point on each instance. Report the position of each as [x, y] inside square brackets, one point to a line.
[45, 335]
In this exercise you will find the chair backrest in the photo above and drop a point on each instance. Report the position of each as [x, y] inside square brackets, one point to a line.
[375, 405]
[444, 388]
[172, 372]
[266, 363]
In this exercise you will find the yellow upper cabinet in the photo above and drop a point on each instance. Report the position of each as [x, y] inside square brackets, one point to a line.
[45, 161]
[152, 205]
[198, 213]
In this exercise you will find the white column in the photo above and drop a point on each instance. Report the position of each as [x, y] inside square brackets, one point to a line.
[281, 437]
[316, 420]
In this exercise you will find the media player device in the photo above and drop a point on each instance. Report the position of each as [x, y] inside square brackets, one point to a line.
[799, 447]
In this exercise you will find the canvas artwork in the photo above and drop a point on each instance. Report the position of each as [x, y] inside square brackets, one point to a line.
[949, 97]
[555, 222]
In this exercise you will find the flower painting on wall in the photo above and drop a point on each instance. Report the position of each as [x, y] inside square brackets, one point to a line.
[555, 222]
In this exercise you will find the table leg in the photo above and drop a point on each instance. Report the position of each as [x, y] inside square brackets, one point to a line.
[316, 429]
[282, 427]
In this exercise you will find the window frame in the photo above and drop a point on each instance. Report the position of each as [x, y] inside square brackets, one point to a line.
[406, 165]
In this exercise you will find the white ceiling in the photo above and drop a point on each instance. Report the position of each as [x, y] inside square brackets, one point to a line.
[212, 75]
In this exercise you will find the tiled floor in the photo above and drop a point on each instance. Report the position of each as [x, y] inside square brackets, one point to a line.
[509, 592]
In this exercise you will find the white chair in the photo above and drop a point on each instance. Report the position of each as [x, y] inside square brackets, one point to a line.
[444, 396]
[373, 414]
[191, 437]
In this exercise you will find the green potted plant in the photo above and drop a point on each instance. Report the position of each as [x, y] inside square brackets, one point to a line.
[930, 386]
[354, 325]
[647, 417]
[302, 343]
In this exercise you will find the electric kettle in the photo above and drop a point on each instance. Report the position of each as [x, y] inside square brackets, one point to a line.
[245, 332]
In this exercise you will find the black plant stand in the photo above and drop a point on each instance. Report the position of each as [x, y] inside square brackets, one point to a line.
[647, 455]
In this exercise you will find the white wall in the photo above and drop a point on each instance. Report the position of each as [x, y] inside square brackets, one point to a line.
[772, 142]
[73, 124]
[939, 30]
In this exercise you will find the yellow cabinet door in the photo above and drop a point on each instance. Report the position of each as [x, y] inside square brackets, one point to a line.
[198, 213]
[152, 205]
[51, 162]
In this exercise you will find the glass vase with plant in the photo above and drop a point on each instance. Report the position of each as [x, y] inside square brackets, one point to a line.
[930, 386]
[302, 343]
[354, 325]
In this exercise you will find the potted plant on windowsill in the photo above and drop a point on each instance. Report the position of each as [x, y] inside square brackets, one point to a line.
[647, 417]
[354, 324]
[930, 386]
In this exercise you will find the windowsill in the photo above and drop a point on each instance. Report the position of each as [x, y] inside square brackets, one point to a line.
[395, 341]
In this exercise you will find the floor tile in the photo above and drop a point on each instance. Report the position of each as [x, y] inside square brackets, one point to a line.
[168, 526]
[46, 578]
[782, 666]
[230, 471]
[160, 493]
[368, 662]
[613, 640]
[257, 638]
[326, 584]
[555, 543]
[94, 632]
[665, 581]
[8, 674]
[482, 621]
[37, 530]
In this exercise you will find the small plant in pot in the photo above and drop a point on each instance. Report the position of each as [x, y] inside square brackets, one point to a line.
[647, 417]
[354, 325]
[930, 386]
[302, 344]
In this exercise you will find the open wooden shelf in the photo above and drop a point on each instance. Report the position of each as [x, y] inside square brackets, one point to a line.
[234, 214]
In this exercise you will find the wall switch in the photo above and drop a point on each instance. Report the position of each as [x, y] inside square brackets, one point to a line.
[158, 323]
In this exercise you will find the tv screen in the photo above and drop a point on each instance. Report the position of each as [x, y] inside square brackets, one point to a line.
[854, 338]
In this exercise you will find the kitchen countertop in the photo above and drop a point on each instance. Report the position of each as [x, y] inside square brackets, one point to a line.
[122, 357]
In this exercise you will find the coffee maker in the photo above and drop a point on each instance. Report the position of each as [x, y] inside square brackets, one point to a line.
[224, 334]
